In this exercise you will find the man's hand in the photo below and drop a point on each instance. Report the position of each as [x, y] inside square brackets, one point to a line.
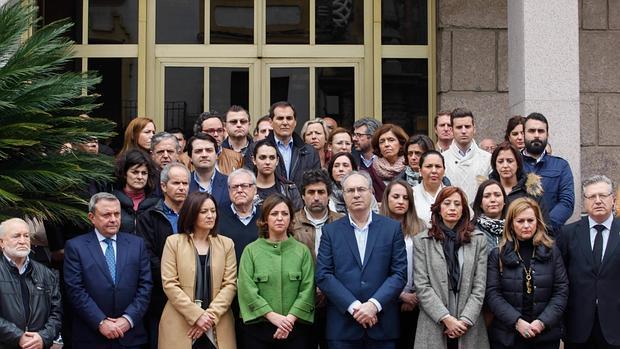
[122, 323]
[366, 314]
[31, 340]
[110, 330]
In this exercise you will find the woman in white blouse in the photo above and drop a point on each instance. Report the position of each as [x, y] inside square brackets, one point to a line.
[432, 170]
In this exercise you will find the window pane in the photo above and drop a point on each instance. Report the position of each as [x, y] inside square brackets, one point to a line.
[405, 93]
[118, 90]
[228, 86]
[404, 22]
[232, 22]
[180, 22]
[339, 22]
[53, 10]
[112, 22]
[335, 94]
[184, 102]
[288, 22]
[292, 85]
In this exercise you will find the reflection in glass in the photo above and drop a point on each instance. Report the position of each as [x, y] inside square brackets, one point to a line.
[288, 22]
[112, 22]
[184, 102]
[180, 22]
[339, 22]
[335, 94]
[404, 22]
[292, 85]
[232, 22]
[118, 92]
[405, 93]
[228, 86]
[53, 10]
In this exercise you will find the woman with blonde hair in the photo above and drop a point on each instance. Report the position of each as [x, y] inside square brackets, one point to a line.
[527, 286]
[398, 204]
[138, 135]
[314, 132]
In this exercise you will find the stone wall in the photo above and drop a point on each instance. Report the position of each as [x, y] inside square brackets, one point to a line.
[599, 60]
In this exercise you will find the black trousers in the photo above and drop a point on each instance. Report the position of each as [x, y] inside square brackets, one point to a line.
[260, 336]
[596, 340]
[408, 326]
[522, 343]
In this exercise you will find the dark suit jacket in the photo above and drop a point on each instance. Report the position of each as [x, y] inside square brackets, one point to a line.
[343, 277]
[219, 185]
[587, 284]
[94, 296]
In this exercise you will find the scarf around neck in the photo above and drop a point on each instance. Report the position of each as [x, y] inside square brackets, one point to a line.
[387, 171]
[451, 247]
[413, 178]
[492, 226]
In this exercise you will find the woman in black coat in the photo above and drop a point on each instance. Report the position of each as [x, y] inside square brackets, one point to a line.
[527, 287]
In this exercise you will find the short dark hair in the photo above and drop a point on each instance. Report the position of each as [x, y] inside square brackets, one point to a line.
[506, 146]
[270, 202]
[236, 109]
[477, 205]
[130, 159]
[264, 142]
[330, 164]
[206, 116]
[176, 130]
[461, 113]
[188, 214]
[422, 140]
[537, 117]
[282, 104]
[432, 152]
[441, 113]
[313, 177]
[202, 136]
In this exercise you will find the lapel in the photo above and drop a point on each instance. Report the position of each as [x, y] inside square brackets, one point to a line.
[122, 247]
[612, 243]
[371, 239]
[583, 240]
[349, 236]
[94, 247]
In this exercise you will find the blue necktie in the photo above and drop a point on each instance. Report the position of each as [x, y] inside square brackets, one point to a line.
[110, 259]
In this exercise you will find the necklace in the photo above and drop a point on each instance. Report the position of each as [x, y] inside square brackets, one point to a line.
[528, 272]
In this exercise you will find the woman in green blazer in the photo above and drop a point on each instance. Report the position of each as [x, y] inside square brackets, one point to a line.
[276, 282]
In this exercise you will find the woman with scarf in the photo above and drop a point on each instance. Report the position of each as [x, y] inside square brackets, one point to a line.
[450, 266]
[339, 166]
[489, 211]
[527, 286]
[414, 148]
[388, 144]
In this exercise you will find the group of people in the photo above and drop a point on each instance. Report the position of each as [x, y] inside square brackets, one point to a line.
[332, 238]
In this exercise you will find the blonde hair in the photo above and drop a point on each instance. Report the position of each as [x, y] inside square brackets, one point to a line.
[517, 207]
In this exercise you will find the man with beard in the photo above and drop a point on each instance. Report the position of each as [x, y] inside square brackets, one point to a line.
[363, 130]
[308, 227]
[30, 309]
[155, 225]
[555, 172]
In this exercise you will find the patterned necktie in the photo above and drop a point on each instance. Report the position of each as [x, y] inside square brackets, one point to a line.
[110, 258]
[597, 251]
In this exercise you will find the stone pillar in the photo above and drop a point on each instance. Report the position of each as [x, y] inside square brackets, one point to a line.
[543, 72]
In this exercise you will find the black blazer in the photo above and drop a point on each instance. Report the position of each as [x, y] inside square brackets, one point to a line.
[587, 284]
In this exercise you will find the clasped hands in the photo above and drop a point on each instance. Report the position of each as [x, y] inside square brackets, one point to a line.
[529, 330]
[202, 325]
[113, 328]
[366, 314]
[31, 340]
[283, 323]
[409, 301]
[454, 328]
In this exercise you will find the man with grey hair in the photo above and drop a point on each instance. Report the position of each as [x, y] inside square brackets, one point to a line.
[363, 130]
[30, 307]
[108, 280]
[165, 149]
[361, 268]
[155, 225]
[592, 260]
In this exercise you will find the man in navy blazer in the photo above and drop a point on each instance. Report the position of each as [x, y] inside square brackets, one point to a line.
[203, 152]
[591, 251]
[361, 268]
[108, 280]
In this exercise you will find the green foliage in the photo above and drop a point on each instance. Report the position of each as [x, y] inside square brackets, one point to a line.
[41, 110]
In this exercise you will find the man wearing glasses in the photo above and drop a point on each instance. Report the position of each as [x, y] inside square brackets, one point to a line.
[363, 130]
[238, 129]
[211, 123]
[592, 258]
[361, 268]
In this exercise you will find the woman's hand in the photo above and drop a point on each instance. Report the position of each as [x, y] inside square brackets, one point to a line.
[525, 329]
[280, 321]
[454, 327]
[195, 332]
[409, 298]
[537, 326]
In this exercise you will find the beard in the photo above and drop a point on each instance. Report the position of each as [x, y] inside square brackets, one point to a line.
[535, 147]
[13, 252]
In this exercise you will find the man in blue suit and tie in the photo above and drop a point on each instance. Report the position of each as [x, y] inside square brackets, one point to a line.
[361, 268]
[108, 280]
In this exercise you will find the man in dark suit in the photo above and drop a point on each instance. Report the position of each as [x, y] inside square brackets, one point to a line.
[108, 280]
[361, 267]
[202, 150]
[592, 259]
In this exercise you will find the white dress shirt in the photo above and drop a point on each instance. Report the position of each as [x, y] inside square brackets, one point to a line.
[605, 232]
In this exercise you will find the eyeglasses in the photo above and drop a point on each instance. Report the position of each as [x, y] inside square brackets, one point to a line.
[243, 186]
[238, 121]
[359, 135]
[597, 196]
[214, 130]
[360, 190]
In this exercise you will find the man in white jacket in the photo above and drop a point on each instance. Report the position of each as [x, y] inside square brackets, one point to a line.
[466, 164]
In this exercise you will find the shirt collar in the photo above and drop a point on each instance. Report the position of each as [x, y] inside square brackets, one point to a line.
[540, 158]
[196, 179]
[281, 143]
[232, 207]
[100, 237]
[316, 222]
[167, 210]
[606, 223]
[23, 268]
[365, 226]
